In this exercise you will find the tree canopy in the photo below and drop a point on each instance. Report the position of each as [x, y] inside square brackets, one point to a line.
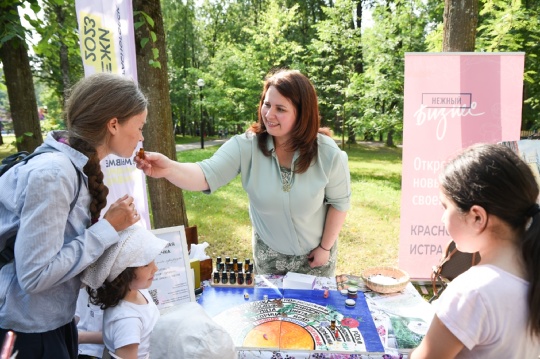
[357, 67]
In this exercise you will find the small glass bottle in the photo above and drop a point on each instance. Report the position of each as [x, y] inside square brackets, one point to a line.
[218, 260]
[225, 278]
[249, 280]
[234, 265]
[221, 267]
[240, 267]
[251, 267]
[232, 278]
[246, 265]
[240, 278]
[216, 277]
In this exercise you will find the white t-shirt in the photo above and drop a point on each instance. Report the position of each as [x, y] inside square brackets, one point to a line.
[130, 323]
[90, 320]
[486, 309]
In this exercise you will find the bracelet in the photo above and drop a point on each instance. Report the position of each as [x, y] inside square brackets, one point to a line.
[328, 250]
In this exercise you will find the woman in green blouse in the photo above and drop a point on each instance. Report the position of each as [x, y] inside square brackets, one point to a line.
[296, 177]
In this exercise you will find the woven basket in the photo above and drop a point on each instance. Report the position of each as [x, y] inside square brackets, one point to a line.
[396, 273]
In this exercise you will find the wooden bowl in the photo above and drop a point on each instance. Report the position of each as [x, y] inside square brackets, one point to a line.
[401, 279]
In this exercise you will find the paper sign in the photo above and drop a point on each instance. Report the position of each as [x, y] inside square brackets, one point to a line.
[171, 285]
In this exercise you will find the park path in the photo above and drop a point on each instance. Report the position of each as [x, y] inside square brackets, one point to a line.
[196, 145]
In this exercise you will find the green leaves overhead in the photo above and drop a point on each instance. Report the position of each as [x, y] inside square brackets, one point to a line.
[145, 20]
[356, 66]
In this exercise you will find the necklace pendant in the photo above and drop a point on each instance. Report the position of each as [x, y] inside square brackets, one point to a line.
[286, 187]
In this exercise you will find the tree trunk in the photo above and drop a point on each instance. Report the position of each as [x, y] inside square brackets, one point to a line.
[459, 23]
[390, 138]
[352, 135]
[167, 200]
[21, 93]
[359, 61]
[64, 59]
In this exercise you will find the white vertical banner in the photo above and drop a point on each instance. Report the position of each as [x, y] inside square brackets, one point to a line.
[107, 40]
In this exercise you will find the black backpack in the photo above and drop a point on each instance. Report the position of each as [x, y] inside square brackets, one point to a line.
[7, 253]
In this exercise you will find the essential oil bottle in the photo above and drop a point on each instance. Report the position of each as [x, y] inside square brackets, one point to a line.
[232, 278]
[225, 278]
[246, 265]
[249, 279]
[216, 277]
[240, 278]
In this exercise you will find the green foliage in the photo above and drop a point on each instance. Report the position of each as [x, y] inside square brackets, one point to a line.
[19, 139]
[232, 45]
[332, 59]
[269, 43]
[434, 29]
[57, 28]
[512, 26]
[10, 24]
[145, 19]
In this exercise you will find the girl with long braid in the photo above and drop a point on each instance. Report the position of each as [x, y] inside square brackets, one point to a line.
[53, 202]
[492, 310]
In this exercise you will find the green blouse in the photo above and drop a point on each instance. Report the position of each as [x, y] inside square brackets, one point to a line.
[288, 214]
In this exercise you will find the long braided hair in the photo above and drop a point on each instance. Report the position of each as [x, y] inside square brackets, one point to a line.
[92, 103]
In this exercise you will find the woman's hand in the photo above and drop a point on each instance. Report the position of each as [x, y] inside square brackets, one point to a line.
[318, 257]
[153, 164]
[188, 176]
[122, 213]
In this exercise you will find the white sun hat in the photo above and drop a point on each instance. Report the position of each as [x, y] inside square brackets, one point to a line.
[137, 247]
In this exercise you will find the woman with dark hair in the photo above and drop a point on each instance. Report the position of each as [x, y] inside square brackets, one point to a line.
[296, 177]
[52, 204]
[493, 309]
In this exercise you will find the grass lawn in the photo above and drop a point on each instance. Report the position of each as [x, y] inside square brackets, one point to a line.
[369, 237]
[7, 148]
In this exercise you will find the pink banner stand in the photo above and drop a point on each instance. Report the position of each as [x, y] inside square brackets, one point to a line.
[452, 100]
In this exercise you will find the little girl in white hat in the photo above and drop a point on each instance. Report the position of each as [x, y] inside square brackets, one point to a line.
[118, 282]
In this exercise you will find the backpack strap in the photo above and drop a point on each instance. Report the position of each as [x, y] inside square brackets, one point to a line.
[7, 254]
[19, 157]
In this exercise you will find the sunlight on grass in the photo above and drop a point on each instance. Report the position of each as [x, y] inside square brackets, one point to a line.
[369, 237]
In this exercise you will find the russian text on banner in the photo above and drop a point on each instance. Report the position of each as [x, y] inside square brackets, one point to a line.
[107, 42]
[452, 100]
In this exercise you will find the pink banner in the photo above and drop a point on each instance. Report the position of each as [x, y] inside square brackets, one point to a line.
[107, 45]
[452, 100]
